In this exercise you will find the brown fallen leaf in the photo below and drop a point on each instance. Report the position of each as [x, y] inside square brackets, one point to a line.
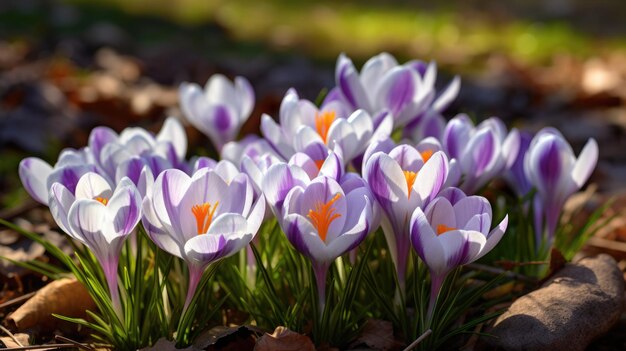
[66, 297]
[227, 338]
[9, 342]
[284, 339]
[378, 335]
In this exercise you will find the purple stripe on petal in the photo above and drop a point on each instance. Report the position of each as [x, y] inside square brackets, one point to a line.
[222, 119]
[287, 182]
[69, 178]
[132, 214]
[401, 93]
[134, 170]
[460, 256]
[377, 182]
[484, 154]
[419, 66]
[295, 237]
[550, 165]
[344, 85]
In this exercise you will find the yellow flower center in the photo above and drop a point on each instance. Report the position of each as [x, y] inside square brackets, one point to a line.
[442, 228]
[322, 123]
[204, 216]
[319, 164]
[323, 216]
[426, 154]
[102, 200]
[410, 180]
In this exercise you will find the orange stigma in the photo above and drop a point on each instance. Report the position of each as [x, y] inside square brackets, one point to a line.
[442, 228]
[410, 180]
[323, 216]
[102, 200]
[322, 123]
[426, 154]
[204, 216]
[319, 164]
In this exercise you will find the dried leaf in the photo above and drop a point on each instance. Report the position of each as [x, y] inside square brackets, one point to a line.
[284, 339]
[227, 338]
[8, 342]
[66, 297]
[378, 335]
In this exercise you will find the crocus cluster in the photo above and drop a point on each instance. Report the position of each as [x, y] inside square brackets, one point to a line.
[330, 175]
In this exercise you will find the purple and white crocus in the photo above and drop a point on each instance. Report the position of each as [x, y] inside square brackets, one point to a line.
[101, 217]
[406, 91]
[331, 126]
[483, 152]
[220, 109]
[552, 169]
[37, 175]
[402, 181]
[202, 218]
[323, 222]
[453, 230]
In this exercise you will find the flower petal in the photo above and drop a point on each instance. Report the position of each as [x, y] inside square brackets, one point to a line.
[34, 173]
[431, 177]
[92, 185]
[585, 163]
[125, 207]
[60, 201]
[425, 243]
[246, 96]
[171, 243]
[447, 95]
[494, 237]
[470, 206]
[174, 133]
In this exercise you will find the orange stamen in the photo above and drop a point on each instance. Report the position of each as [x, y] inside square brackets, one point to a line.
[410, 180]
[102, 200]
[442, 228]
[323, 216]
[204, 216]
[322, 123]
[319, 164]
[426, 154]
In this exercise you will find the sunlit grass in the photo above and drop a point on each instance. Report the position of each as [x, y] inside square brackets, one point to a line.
[325, 28]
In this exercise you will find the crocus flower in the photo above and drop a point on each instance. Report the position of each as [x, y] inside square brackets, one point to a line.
[251, 146]
[202, 218]
[554, 171]
[407, 91]
[401, 181]
[220, 110]
[453, 230]
[323, 222]
[483, 152]
[165, 150]
[37, 176]
[99, 217]
[279, 179]
[515, 175]
[303, 124]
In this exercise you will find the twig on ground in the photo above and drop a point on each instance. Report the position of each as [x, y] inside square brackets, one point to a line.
[17, 300]
[8, 332]
[418, 340]
[78, 344]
